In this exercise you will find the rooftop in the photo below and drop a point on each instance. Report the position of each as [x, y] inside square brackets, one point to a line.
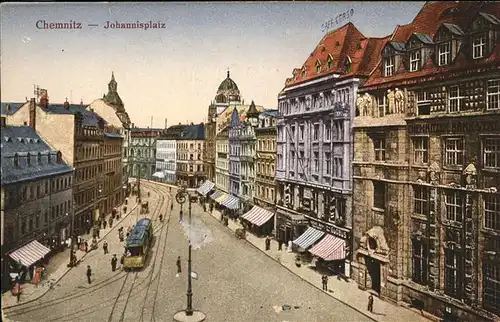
[25, 156]
[193, 132]
[9, 108]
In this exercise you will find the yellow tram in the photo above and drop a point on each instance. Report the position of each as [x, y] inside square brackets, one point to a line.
[138, 244]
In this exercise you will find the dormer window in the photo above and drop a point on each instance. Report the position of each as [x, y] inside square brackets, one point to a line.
[389, 66]
[444, 53]
[318, 67]
[415, 59]
[39, 158]
[478, 46]
[28, 159]
[304, 72]
[16, 160]
[329, 62]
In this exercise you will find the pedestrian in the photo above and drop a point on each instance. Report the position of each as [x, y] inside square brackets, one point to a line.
[105, 247]
[98, 233]
[324, 281]
[104, 223]
[86, 247]
[161, 217]
[18, 287]
[178, 266]
[88, 227]
[280, 244]
[110, 222]
[122, 260]
[181, 216]
[204, 207]
[268, 243]
[370, 303]
[89, 274]
[114, 260]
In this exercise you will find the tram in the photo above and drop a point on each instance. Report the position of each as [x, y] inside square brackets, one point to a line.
[137, 244]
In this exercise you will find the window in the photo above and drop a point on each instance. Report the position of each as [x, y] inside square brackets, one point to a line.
[378, 194]
[421, 200]
[293, 134]
[329, 62]
[454, 99]
[328, 163]
[492, 212]
[379, 145]
[423, 103]
[454, 206]
[421, 149]
[444, 54]
[389, 66]
[337, 167]
[493, 94]
[301, 133]
[292, 161]
[381, 104]
[452, 273]
[492, 287]
[454, 151]
[338, 133]
[23, 227]
[318, 67]
[420, 262]
[316, 162]
[414, 60]
[316, 132]
[478, 46]
[492, 152]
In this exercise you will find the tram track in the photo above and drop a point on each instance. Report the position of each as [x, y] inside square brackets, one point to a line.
[134, 289]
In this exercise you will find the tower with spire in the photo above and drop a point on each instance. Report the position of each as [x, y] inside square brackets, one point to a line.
[112, 98]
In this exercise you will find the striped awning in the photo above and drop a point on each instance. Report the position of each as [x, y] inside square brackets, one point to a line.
[221, 198]
[330, 248]
[216, 194]
[205, 188]
[30, 253]
[258, 216]
[309, 237]
[231, 202]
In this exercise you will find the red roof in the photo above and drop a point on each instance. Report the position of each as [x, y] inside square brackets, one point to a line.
[428, 20]
[346, 41]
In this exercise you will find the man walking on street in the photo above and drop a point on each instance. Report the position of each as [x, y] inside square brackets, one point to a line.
[178, 266]
[324, 281]
[105, 247]
[104, 224]
[268, 243]
[370, 303]
[89, 274]
[114, 261]
[86, 247]
[110, 222]
[280, 244]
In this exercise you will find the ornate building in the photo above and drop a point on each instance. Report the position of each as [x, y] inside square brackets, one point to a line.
[166, 154]
[37, 197]
[314, 146]
[190, 146]
[142, 151]
[112, 110]
[426, 164]
[227, 94]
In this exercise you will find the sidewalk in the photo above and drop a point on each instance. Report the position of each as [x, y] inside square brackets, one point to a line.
[345, 291]
[32, 292]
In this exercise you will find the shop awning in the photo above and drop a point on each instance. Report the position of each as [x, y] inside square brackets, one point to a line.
[231, 202]
[216, 194]
[309, 237]
[258, 216]
[159, 175]
[330, 248]
[29, 253]
[205, 188]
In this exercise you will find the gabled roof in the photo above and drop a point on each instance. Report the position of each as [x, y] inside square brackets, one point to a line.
[21, 141]
[398, 45]
[9, 108]
[89, 118]
[424, 38]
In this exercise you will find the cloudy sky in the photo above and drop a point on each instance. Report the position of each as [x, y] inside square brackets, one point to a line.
[172, 72]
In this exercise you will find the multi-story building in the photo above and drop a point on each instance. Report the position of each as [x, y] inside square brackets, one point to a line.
[190, 146]
[227, 94]
[112, 110]
[113, 189]
[37, 197]
[166, 154]
[235, 131]
[314, 145]
[142, 151]
[81, 148]
[427, 164]
[265, 161]
[222, 160]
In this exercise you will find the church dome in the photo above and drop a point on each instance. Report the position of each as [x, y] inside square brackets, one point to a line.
[228, 91]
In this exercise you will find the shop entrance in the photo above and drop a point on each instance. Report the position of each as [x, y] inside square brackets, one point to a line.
[373, 267]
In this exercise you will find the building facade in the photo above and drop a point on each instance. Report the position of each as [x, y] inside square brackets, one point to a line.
[235, 132]
[426, 165]
[227, 94]
[222, 160]
[36, 189]
[166, 154]
[265, 161]
[314, 143]
[114, 189]
[142, 152]
[190, 146]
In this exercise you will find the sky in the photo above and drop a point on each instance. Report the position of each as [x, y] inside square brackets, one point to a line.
[172, 72]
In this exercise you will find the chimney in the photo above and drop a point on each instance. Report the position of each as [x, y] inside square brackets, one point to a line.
[3, 122]
[66, 104]
[81, 103]
[32, 114]
[165, 123]
[44, 100]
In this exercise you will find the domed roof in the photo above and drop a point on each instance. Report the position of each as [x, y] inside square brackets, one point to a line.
[228, 85]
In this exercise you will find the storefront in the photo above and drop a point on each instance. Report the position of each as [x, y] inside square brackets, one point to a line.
[259, 221]
[289, 226]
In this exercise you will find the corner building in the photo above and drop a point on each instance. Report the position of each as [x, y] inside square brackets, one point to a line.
[314, 146]
[426, 165]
